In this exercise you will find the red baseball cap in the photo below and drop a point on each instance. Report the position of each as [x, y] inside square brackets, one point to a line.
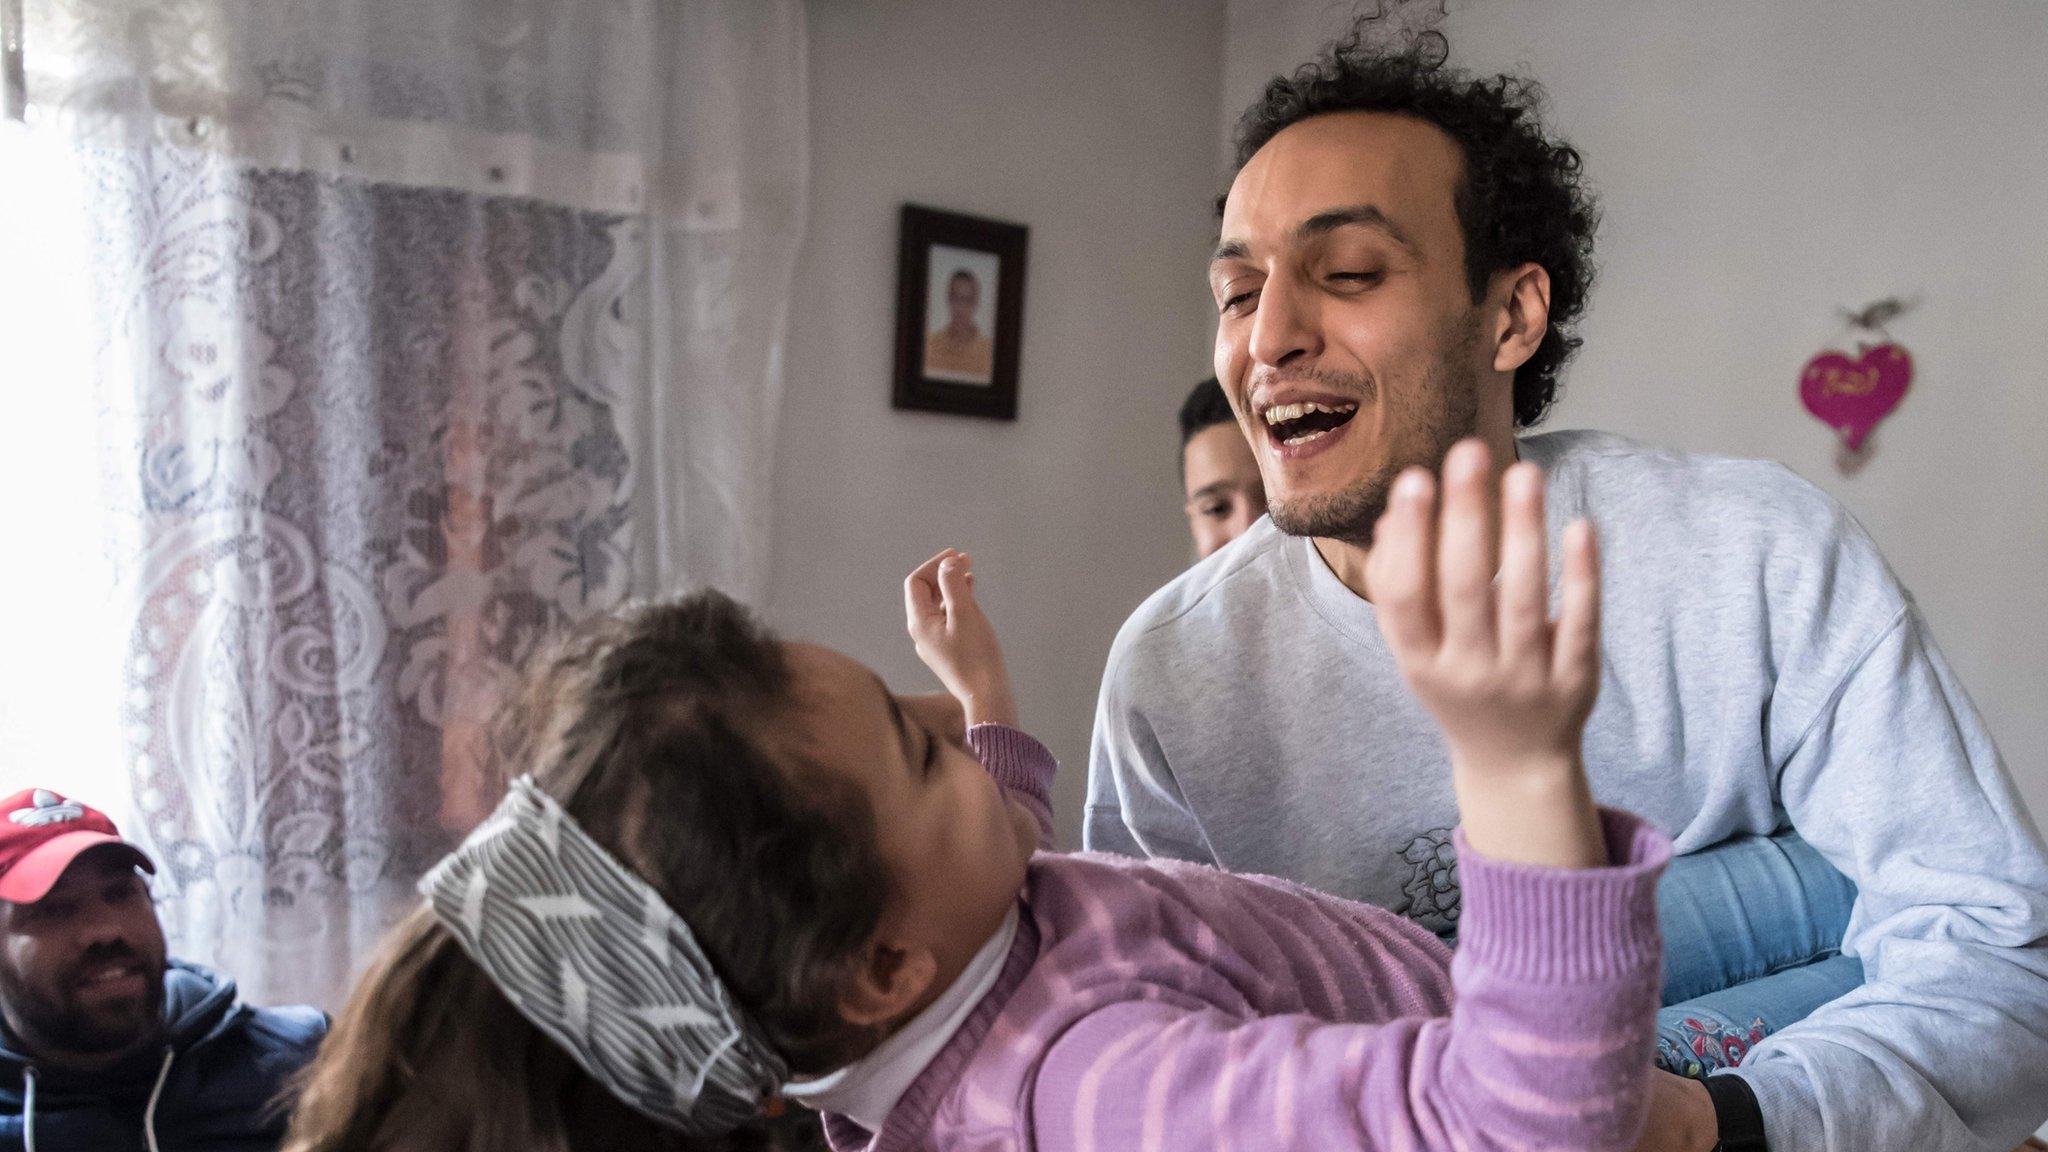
[41, 833]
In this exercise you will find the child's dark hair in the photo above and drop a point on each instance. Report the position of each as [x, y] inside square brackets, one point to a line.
[652, 728]
[1520, 199]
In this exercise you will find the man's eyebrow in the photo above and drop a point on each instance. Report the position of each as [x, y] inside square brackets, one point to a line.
[902, 724]
[1355, 216]
[1216, 488]
[1322, 224]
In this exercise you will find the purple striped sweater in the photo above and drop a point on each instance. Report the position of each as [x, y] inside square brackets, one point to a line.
[1150, 1006]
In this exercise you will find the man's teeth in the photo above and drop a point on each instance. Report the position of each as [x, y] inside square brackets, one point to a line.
[108, 974]
[1307, 437]
[1282, 413]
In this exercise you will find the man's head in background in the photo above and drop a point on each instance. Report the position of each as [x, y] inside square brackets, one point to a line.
[82, 955]
[1402, 255]
[963, 297]
[1218, 474]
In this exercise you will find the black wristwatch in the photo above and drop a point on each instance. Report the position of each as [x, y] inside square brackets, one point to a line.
[1737, 1116]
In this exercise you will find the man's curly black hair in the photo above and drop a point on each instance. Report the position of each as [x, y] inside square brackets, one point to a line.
[1520, 200]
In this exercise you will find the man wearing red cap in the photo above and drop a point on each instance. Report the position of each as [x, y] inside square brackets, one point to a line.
[105, 1043]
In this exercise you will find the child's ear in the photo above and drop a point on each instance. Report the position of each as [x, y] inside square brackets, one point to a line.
[886, 981]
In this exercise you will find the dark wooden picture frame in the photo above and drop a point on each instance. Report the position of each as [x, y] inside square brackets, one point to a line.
[931, 388]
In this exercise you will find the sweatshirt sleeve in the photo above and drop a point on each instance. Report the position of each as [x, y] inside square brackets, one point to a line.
[1023, 766]
[1897, 783]
[1548, 1044]
[1135, 806]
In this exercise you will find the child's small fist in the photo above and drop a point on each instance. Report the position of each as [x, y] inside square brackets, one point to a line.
[954, 638]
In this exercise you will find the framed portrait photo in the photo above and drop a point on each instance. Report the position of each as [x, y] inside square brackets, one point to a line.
[959, 313]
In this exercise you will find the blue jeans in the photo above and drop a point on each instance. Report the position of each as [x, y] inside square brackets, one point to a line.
[1752, 942]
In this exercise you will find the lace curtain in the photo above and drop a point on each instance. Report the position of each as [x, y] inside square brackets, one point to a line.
[420, 329]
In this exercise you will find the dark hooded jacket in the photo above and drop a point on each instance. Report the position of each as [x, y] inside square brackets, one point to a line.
[215, 1085]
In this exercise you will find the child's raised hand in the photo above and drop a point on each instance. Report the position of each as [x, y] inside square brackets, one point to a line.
[955, 639]
[1511, 687]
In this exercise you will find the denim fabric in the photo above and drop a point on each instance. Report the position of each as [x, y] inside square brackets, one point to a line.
[1752, 935]
[1717, 1030]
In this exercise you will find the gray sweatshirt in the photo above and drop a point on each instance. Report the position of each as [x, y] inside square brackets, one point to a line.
[1762, 667]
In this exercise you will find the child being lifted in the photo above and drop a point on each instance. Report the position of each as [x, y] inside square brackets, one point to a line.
[742, 871]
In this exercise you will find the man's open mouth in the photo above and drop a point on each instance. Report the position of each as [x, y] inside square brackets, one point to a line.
[1294, 425]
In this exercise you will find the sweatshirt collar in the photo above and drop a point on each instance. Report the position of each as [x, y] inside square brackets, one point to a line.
[1354, 616]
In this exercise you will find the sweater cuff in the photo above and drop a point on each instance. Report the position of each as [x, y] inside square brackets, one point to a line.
[1738, 1118]
[1566, 925]
[1015, 758]
[1790, 1106]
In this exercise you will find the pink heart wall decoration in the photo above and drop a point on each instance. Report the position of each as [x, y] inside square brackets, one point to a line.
[1852, 396]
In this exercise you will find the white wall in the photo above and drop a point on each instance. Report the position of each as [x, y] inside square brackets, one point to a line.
[1095, 125]
[1761, 164]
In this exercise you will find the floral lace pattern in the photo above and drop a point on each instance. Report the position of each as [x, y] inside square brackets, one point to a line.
[425, 329]
[368, 481]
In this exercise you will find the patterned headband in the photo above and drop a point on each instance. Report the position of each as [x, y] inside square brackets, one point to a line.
[596, 959]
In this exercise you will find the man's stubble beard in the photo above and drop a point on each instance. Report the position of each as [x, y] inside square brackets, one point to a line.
[46, 1021]
[1350, 514]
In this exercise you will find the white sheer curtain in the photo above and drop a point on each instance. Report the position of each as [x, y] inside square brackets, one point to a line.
[415, 330]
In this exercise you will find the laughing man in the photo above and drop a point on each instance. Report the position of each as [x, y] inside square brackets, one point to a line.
[1403, 256]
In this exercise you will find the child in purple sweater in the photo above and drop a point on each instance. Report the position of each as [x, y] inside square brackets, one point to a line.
[743, 872]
